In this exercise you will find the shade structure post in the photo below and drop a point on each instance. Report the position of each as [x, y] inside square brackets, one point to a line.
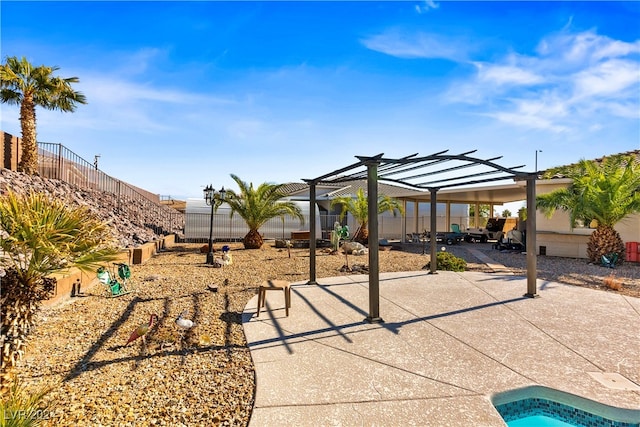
[403, 224]
[374, 267]
[530, 236]
[312, 234]
[433, 264]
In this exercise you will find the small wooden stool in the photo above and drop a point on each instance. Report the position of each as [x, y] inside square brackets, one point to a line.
[274, 285]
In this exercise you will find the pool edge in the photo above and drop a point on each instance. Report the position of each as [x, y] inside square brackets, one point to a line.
[613, 413]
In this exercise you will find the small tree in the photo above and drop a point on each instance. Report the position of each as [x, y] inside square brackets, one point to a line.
[257, 206]
[40, 236]
[606, 191]
[506, 213]
[27, 86]
[359, 208]
[522, 213]
[483, 213]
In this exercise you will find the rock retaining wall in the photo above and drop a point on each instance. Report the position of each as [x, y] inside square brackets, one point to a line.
[131, 222]
[128, 224]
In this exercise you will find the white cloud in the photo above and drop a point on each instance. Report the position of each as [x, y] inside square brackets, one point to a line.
[574, 81]
[426, 6]
[608, 78]
[542, 112]
[112, 89]
[419, 45]
[583, 48]
[506, 75]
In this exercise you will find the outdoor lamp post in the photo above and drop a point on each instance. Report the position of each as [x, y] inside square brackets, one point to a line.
[536, 164]
[211, 198]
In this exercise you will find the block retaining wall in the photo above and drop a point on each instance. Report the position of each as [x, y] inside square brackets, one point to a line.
[69, 283]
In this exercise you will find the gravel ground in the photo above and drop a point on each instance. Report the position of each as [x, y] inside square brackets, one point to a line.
[205, 377]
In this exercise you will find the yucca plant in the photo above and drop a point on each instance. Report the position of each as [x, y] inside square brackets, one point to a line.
[40, 236]
[606, 192]
[359, 208]
[257, 206]
[20, 408]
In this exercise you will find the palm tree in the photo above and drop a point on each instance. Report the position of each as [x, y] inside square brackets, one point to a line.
[606, 191]
[40, 236]
[28, 86]
[257, 206]
[359, 208]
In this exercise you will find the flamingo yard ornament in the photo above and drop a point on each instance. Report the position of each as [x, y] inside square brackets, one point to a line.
[142, 330]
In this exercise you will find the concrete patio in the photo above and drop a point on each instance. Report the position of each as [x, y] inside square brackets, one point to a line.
[449, 341]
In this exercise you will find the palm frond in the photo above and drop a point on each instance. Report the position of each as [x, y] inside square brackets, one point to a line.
[607, 191]
[258, 205]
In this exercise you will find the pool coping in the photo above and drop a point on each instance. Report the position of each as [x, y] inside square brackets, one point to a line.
[609, 412]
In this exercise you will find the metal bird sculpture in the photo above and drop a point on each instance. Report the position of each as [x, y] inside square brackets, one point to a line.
[142, 330]
[184, 324]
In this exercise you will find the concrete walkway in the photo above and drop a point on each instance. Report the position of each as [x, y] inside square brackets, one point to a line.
[448, 342]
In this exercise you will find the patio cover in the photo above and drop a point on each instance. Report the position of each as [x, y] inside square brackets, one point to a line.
[430, 173]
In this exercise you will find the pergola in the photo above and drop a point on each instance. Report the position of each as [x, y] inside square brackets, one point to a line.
[427, 173]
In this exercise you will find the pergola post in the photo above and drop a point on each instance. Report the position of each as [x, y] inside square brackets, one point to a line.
[374, 267]
[403, 224]
[312, 234]
[532, 274]
[433, 232]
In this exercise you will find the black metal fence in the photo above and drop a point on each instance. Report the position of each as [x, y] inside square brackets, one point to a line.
[55, 161]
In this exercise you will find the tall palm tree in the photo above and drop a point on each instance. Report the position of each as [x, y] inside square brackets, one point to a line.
[606, 191]
[28, 86]
[257, 206]
[359, 208]
[40, 236]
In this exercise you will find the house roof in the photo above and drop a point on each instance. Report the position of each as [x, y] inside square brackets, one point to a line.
[558, 174]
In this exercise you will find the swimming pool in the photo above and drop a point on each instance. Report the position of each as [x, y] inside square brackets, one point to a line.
[541, 406]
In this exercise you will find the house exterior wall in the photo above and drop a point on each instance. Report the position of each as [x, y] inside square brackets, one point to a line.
[11, 151]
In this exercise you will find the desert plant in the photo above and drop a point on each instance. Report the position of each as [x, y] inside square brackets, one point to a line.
[257, 206]
[19, 408]
[606, 191]
[28, 86]
[359, 208]
[338, 233]
[612, 282]
[40, 236]
[447, 261]
[522, 214]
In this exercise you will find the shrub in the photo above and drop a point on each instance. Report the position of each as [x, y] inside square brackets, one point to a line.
[19, 408]
[448, 262]
[40, 235]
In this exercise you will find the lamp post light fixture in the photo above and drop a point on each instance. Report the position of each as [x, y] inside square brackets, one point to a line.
[213, 199]
[536, 165]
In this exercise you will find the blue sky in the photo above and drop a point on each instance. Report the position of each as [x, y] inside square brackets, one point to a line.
[182, 94]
